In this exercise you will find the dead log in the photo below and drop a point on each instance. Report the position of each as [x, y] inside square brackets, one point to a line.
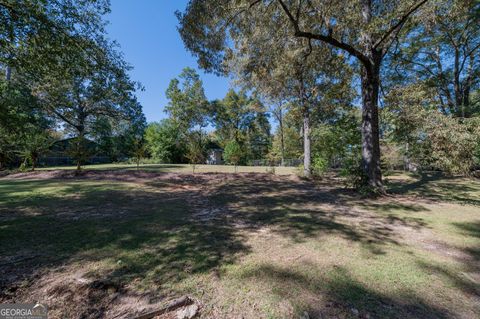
[171, 306]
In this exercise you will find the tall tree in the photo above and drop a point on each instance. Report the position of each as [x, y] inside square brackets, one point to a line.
[258, 138]
[444, 54]
[289, 68]
[38, 37]
[243, 119]
[188, 109]
[231, 116]
[84, 94]
[187, 104]
[365, 29]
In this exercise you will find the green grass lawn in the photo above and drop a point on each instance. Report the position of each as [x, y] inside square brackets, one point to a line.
[183, 168]
[114, 243]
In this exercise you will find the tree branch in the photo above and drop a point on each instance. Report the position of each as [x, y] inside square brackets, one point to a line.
[324, 38]
[400, 23]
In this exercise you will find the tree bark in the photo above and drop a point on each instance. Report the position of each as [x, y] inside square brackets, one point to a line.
[282, 137]
[370, 127]
[80, 147]
[307, 153]
[34, 161]
[11, 36]
[8, 73]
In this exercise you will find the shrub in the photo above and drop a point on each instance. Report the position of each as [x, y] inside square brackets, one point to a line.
[353, 173]
[319, 165]
[232, 153]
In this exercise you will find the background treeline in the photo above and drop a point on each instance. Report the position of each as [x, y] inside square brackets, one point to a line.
[411, 68]
[238, 122]
[362, 86]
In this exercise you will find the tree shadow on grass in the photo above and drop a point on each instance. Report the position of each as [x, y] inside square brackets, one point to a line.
[468, 278]
[303, 210]
[152, 233]
[143, 235]
[344, 294]
[436, 186]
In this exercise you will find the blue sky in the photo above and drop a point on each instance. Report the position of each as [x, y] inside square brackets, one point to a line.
[147, 33]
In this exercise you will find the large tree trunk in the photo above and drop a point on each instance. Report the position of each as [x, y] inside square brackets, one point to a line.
[370, 127]
[307, 152]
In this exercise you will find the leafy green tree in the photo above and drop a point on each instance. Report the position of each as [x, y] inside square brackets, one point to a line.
[233, 153]
[243, 119]
[427, 137]
[80, 150]
[33, 144]
[292, 144]
[195, 149]
[41, 37]
[187, 104]
[79, 100]
[102, 133]
[258, 138]
[138, 151]
[278, 142]
[164, 141]
[231, 116]
[188, 109]
[335, 140]
[444, 54]
[7, 147]
[215, 30]
[319, 166]
[20, 118]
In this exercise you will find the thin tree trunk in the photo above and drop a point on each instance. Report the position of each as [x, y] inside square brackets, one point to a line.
[11, 36]
[370, 128]
[80, 147]
[307, 155]
[8, 73]
[282, 138]
[407, 157]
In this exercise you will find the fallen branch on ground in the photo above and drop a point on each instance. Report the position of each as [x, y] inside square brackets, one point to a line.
[171, 306]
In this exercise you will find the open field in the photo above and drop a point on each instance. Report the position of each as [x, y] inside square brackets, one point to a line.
[112, 243]
[183, 168]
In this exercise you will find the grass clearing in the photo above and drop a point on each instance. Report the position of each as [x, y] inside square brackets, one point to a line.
[120, 242]
[183, 168]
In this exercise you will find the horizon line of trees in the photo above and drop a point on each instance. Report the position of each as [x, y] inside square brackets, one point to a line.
[356, 85]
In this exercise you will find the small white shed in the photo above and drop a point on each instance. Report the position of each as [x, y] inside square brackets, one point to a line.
[215, 156]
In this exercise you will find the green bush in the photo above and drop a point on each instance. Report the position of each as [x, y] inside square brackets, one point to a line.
[319, 165]
[353, 172]
[233, 153]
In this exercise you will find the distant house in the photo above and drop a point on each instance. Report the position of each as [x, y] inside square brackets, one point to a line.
[60, 154]
[62, 147]
[214, 154]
